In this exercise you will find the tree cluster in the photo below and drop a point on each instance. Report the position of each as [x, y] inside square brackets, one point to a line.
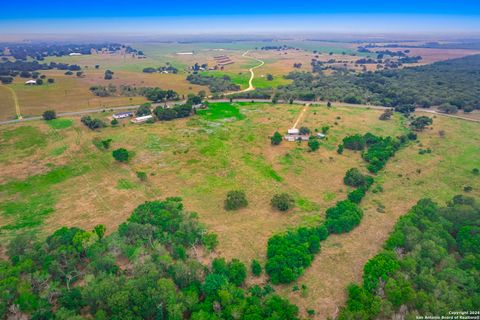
[143, 271]
[430, 264]
[215, 84]
[455, 81]
[92, 123]
[41, 50]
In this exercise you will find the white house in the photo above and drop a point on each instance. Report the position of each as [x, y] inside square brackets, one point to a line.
[142, 119]
[123, 115]
[75, 54]
[321, 135]
[31, 82]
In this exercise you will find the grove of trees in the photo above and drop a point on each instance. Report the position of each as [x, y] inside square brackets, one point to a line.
[215, 84]
[145, 270]
[429, 265]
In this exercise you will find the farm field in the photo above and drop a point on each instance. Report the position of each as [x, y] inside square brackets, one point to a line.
[71, 93]
[53, 175]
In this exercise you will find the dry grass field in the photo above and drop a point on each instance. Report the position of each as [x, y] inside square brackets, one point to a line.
[71, 93]
[434, 55]
[52, 175]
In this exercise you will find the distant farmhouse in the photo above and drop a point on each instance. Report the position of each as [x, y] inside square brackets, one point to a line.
[75, 54]
[123, 115]
[31, 82]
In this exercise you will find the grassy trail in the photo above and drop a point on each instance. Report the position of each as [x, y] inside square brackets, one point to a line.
[252, 74]
[15, 101]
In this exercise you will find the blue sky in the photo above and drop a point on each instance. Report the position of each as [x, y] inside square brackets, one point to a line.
[228, 16]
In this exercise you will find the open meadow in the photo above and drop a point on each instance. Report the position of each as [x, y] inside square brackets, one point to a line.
[54, 174]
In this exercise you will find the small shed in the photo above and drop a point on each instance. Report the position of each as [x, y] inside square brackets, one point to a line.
[31, 82]
[294, 135]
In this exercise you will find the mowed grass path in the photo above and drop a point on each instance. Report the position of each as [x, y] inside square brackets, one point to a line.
[53, 175]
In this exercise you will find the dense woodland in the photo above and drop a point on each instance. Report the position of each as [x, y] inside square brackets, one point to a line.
[456, 82]
[145, 270]
[453, 84]
[430, 265]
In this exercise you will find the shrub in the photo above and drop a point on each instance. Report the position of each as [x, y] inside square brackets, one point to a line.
[142, 176]
[420, 123]
[276, 138]
[343, 217]
[50, 80]
[282, 202]
[237, 272]
[93, 124]
[49, 115]
[412, 136]
[210, 241]
[106, 143]
[290, 253]
[386, 115]
[144, 110]
[356, 195]
[235, 200]
[304, 130]
[114, 122]
[313, 144]
[121, 155]
[256, 268]
[6, 79]
[165, 114]
[108, 75]
[355, 178]
[355, 142]
[340, 149]
[448, 108]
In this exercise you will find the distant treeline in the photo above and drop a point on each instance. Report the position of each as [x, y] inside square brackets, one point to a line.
[455, 82]
[278, 48]
[215, 84]
[39, 51]
[168, 68]
[152, 94]
[470, 45]
[9, 68]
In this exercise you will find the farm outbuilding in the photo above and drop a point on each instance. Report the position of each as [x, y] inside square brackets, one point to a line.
[142, 119]
[123, 115]
[294, 135]
[31, 82]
